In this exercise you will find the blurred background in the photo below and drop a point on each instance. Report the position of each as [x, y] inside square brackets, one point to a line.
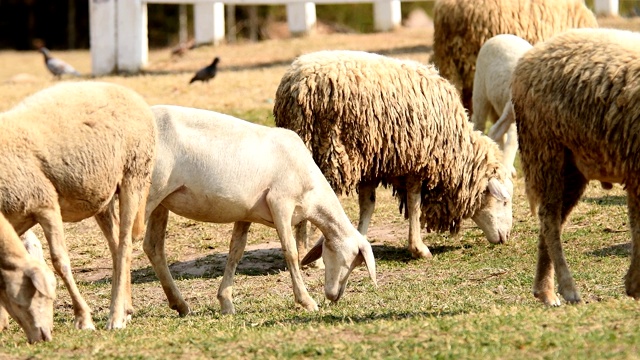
[64, 24]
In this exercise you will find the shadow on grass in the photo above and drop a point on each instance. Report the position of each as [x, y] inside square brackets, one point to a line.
[617, 200]
[270, 64]
[387, 253]
[253, 263]
[622, 250]
[260, 262]
[330, 319]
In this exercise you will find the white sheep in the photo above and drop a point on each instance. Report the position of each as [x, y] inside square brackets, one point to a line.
[491, 93]
[461, 27]
[216, 168]
[67, 151]
[27, 287]
[370, 119]
[575, 98]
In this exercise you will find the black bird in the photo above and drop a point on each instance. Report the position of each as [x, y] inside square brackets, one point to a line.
[56, 66]
[206, 73]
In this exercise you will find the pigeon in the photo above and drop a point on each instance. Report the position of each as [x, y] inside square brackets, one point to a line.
[206, 73]
[56, 66]
[182, 48]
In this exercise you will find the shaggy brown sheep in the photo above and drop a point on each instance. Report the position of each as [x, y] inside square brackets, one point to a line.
[577, 102]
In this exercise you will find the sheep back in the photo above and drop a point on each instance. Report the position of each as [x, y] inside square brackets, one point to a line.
[370, 118]
[461, 27]
[75, 142]
[578, 94]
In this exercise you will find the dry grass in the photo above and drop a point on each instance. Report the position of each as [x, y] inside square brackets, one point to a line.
[471, 300]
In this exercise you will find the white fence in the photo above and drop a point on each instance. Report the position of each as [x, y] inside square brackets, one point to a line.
[118, 28]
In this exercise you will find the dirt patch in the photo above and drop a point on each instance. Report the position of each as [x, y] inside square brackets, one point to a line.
[258, 259]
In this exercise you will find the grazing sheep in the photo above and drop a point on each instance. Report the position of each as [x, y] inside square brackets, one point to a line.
[461, 27]
[27, 287]
[491, 96]
[66, 152]
[216, 168]
[576, 102]
[370, 120]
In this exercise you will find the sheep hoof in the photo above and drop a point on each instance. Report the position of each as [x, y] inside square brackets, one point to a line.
[570, 295]
[183, 310]
[227, 307]
[311, 306]
[116, 324]
[421, 253]
[632, 286]
[84, 323]
[549, 298]
[231, 311]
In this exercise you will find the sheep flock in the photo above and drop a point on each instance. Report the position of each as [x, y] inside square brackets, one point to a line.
[562, 92]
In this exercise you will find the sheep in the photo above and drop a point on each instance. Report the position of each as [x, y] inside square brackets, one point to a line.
[27, 287]
[461, 27]
[370, 120]
[34, 248]
[216, 168]
[491, 97]
[66, 152]
[575, 98]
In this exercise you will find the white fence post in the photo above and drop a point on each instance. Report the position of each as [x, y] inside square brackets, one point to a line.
[301, 17]
[386, 14]
[102, 34]
[119, 40]
[208, 19]
[133, 42]
[606, 7]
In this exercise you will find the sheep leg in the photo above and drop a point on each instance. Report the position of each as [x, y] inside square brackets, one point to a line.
[467, 97]
[281, 212]
[511, 148]
[302, 244]
[236, 250]
[51, 222]
[110, 226]
[153, 246]
[129, 201]
[504, 133]
[552, 217]
[4, 318]
[302, 238]
[482, 108]
[416, 246]
[367, 203]
[574, 185]
[543, 285]
[632, 279]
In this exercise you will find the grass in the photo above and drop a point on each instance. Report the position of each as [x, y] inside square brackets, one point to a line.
[472, 300]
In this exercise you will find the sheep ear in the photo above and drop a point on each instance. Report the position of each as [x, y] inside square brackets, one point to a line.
[314, 254]
[498, 190]
[367, 254]
[502, 125]
[44, 282]
[13, 285]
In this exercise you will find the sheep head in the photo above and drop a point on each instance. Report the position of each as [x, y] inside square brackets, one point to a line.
[340, 258]
[495, 216]
[27, 293]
